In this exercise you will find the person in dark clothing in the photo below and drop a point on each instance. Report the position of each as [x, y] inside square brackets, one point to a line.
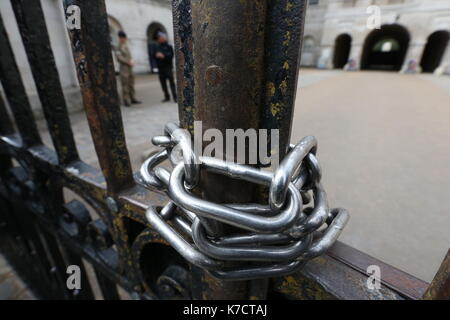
[151, 55]
[164, 58]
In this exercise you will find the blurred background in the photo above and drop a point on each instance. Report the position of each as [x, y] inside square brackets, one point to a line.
[378, 100]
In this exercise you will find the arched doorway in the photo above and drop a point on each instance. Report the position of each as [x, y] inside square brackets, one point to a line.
[114, 28]
[342, 46]
[434, 50]
[385, 48]
[152, 35]
[152, 31]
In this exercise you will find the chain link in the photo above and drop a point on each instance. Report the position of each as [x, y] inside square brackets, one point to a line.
[273, 240]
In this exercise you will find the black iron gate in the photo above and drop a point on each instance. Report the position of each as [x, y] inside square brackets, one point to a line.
[42, 234]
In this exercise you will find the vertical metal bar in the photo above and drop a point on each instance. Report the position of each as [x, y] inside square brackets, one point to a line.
[285, 25]
[58, 270]
[94, 64]
[182, 21]
[244, 58]
[439, 288]
[228, 53]
[15, 92]
[48, 287]
[6, 128]
[228, 89]
[284, 34]
[31, 23]
[72, 258]
[14, 245]
[108, 288]
[6, 125]
[51, 197]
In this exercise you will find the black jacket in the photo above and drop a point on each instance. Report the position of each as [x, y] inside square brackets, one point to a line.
[167, 50]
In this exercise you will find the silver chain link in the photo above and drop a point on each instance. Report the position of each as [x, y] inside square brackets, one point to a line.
[273, 240]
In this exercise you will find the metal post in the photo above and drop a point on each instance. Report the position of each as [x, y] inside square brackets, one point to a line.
[237, 64]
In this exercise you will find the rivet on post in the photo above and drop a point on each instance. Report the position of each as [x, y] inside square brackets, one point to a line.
[214, 75]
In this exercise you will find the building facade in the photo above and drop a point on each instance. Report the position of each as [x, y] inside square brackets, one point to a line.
[412, 35]
[413, 32]
[140, 19]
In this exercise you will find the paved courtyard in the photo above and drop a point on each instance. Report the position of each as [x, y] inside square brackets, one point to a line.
[384, 147]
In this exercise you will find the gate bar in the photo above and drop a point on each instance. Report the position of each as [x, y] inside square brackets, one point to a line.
[182, 23]
[15, 92]
[230, 57]
[32, 27]
[6, 126]
[94, 65]
[285, 25]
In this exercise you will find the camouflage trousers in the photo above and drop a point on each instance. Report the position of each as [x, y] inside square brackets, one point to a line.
[127, 80]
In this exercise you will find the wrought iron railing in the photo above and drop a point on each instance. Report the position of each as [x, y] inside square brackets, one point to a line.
[256, 44]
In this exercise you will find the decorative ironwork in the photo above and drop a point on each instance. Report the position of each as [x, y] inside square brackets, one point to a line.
[42, 231]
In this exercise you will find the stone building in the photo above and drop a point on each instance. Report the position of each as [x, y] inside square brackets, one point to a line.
[140, 19]
[336, 31]
[411, 33]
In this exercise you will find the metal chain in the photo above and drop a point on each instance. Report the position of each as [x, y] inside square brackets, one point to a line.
[274, 240]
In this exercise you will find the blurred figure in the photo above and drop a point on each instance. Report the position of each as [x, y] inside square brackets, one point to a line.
[126, 71]
[164, 58]
[411, 67]
[350, 65]
[151, 57]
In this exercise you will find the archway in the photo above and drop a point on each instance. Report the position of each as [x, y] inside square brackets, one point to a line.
[434, 50]
[342, 46]
[385, 48]
[152, 35]
[152, 31]
[114, 28]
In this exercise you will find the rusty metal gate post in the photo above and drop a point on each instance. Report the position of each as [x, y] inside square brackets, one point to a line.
[237, 65]
[237, 68]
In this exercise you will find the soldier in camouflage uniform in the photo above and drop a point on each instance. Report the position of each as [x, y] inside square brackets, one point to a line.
[126, 71]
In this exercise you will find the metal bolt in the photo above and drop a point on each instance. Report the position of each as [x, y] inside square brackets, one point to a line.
[214, 75]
